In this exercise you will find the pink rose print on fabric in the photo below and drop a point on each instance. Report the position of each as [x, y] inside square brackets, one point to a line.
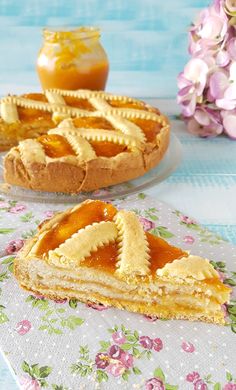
[188, 239]
[49, 213]
[230, 386]
[147, 224]
[115, 352]
[151, 318]
[17, 209]
[154, 384]
[187, 220]
[60, 301]
[28, 383]
[187, 347]
[146, 342]
[157, 344]
[192, 377]
[118, 337]
[14, 246]
[97, 306]
[200, 385]
[23, 327]
[102, 360]
[127, 359]
[4, 205]
[116, 369]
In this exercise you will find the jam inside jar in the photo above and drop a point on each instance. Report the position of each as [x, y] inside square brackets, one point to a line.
[72, 59]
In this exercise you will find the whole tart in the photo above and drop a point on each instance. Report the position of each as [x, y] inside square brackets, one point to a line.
[101, 139]
[96, 253]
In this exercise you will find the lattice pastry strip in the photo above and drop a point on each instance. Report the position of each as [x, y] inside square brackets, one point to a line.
[99, 135]
[31, 150]
[80, 245]
[133, 258]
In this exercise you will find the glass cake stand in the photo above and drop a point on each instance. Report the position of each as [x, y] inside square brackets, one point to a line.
[168, 164]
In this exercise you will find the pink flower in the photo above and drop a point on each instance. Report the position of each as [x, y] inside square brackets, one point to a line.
[229, 386]
[14, 246]
[188, 239]
[49, 213]
[205, 122]
[187, 220]
[200, 385]
[17, 209]
[4, 205]
[60, 300]
[97, 306]
[229, 122]
[192, 377]
[222, 276]
[147, 225]
[127, 360]
[116, 369]
[151, 318]
[146, 342]
[118, 337]
[154, 384]
[191, 84]
[157, 344]
[188, 347]
[102, 360]
[23, 327]
[28, 383]
[115, 352]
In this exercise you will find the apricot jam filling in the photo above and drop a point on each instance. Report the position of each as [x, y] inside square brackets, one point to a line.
[149, 127]
[85, 215]
[78, 103]
[107, 149]
[93, 122]
[55, 145]
[124, 104]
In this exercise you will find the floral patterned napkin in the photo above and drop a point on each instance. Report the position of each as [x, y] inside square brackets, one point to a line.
[69, 345]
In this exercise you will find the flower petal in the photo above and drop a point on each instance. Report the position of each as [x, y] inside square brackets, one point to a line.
[229, 123]
[218, 84]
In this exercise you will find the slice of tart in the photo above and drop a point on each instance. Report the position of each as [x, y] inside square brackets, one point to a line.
[113, 139]
[96, 253]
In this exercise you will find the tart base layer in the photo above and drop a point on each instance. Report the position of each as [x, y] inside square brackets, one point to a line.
[61, 176]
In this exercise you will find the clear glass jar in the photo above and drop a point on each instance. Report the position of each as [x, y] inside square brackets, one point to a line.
[72, 59]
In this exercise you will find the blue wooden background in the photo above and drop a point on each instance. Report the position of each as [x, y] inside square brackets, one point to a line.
[146, 40]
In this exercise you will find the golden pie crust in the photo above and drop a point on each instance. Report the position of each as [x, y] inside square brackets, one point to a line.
[94, 252]
[107, 139]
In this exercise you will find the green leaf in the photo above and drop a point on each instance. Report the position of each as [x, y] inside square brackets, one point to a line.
[230, 282]
[217, 386]
[105, 344]
[43, 327]
[171, 387]
[101, 376]
[25, 367]
[45, 371]
[125, 375]
[131, 338]
[58, 387]
[233, 327]
[126, 346]
[229, 376]
[8, 260]
[73, 303]
[123, 328]
[35, 371]
[141, 195]
[56, 331]
[137, 371]
[136, 352]
[30, 298]
[136, 334]
[164, 232]
[3, 276]
[6, 230]
[61, 310]
[158, 373]
[3, 318]
[11, 267]
[27, 217]
[149, 354]
[232, 309]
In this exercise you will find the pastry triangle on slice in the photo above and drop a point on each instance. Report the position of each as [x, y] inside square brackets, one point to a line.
[96, 253]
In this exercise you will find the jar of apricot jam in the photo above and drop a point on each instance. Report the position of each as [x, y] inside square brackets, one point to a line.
[72, 59]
